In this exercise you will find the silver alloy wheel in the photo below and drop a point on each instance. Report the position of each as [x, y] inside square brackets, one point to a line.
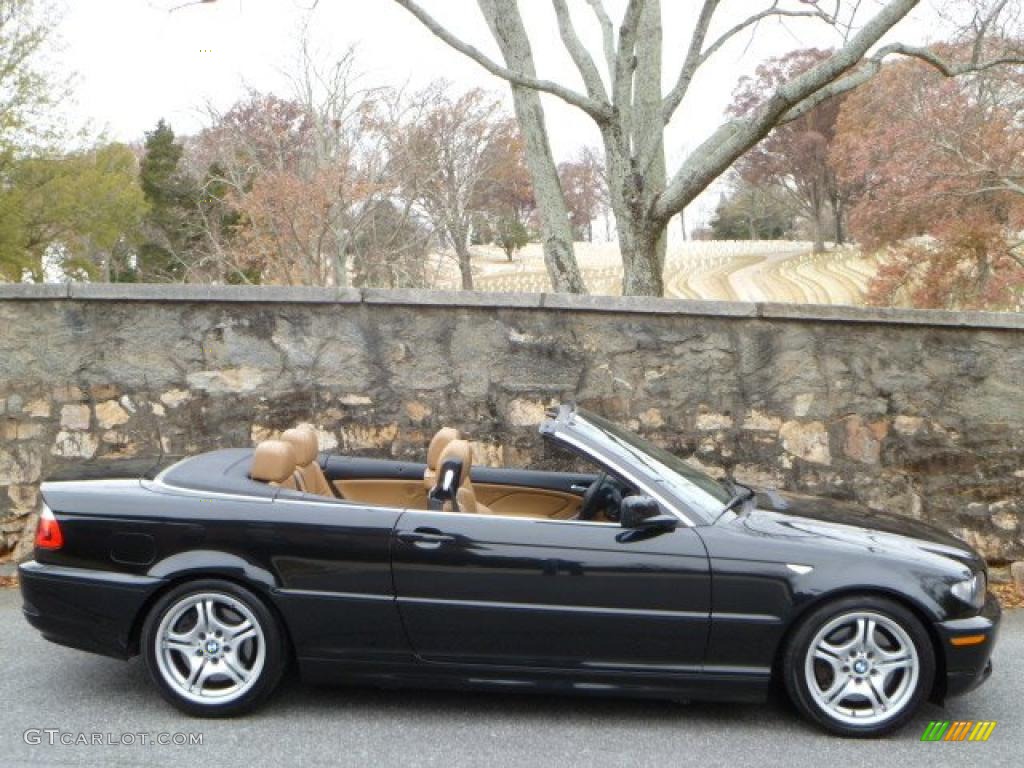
[862, 668]
[210, 648]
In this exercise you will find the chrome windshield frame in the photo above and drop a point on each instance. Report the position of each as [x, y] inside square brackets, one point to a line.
[561, 429]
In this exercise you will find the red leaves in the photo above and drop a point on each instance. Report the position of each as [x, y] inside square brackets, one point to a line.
[794, 156]
[937, 160]
[586, 192]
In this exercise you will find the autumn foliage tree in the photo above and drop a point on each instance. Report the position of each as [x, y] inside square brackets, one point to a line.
[795, 156]
[585, 184]
[450, 151]
[941, 164]
[305, 174]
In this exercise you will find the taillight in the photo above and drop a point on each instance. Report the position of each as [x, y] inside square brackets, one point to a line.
[48, 535]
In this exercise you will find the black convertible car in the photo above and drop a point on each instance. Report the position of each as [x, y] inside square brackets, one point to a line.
[643, 577]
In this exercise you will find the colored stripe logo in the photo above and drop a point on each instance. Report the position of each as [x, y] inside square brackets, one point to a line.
[958, 730]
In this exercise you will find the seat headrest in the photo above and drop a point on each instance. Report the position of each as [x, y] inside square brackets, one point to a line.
[441, 440]
[273, 461]
[303, 439]
[456, 451]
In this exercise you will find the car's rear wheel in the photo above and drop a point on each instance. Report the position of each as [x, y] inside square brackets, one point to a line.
[859, 666]
[213, 648]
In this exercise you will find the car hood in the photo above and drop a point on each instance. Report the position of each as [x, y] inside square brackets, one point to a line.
[829, 520]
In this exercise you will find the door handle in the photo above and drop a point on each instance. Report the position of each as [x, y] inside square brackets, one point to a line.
[577, 488]
[429, 538]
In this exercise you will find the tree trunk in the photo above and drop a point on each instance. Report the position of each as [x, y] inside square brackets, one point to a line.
[339, 264]
[650, 174]
[460, 241]
[837, 210]
[817, 230]
[984, 268]
[641, 260]
[635, 161]
[556, 233]
[642, 247]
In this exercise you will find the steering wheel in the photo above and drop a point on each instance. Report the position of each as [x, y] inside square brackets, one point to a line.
[601, 496]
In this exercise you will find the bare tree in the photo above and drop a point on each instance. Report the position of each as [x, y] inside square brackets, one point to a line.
[631, 110]
[445, 151]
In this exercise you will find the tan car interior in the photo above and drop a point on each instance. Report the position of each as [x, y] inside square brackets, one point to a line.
[408, 494]
[521, 501]
[453, 486]
[273, 462]
[270, 464]
[307, 453]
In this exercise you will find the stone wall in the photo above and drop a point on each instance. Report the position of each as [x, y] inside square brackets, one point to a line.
[917, 412]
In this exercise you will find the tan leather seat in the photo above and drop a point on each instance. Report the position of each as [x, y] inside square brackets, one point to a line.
[307, 457]
[453, 471]
[437, 445]
[273, 462]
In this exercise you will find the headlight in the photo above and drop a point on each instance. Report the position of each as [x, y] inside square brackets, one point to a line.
[971, 591]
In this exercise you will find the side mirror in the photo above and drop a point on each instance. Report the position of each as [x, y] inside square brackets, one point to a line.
[643, 513]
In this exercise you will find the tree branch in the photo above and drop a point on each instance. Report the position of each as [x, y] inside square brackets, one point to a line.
[607, 34]
[873, 65]
[698, 55]
[947, 68]
[734, 138]
[625, 65]
[580, 55]
[594, 108]
[692, 61]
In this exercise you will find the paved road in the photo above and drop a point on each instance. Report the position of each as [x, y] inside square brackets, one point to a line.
[45, 686]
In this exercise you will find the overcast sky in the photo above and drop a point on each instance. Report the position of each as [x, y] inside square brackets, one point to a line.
[134, 62]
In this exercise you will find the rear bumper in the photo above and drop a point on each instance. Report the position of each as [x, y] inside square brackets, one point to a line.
[968, 666]
[90, 610]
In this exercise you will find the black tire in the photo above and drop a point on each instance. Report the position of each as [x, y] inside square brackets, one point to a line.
[258, 686]
[795, 655]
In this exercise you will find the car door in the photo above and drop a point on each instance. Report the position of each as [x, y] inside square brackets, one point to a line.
[331, 559]
[488, 589]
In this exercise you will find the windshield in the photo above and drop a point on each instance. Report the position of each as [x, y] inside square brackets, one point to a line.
[689, 485]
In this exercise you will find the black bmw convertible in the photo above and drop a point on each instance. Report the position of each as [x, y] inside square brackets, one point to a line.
[641, 576]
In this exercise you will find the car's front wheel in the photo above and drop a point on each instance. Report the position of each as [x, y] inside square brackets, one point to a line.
[859, 666]
[212, 648]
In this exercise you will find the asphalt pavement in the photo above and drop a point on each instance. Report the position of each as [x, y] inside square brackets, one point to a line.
[77, 696]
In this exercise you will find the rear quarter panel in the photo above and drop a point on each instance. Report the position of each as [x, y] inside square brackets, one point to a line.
[314, 562]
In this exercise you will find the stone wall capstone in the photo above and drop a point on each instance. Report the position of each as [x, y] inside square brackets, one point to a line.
[917, 412]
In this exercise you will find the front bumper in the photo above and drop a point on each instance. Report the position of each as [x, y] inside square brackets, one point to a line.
[968, 666]
[90, 610]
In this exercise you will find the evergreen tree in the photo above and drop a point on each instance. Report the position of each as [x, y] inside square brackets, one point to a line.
[171, 228]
